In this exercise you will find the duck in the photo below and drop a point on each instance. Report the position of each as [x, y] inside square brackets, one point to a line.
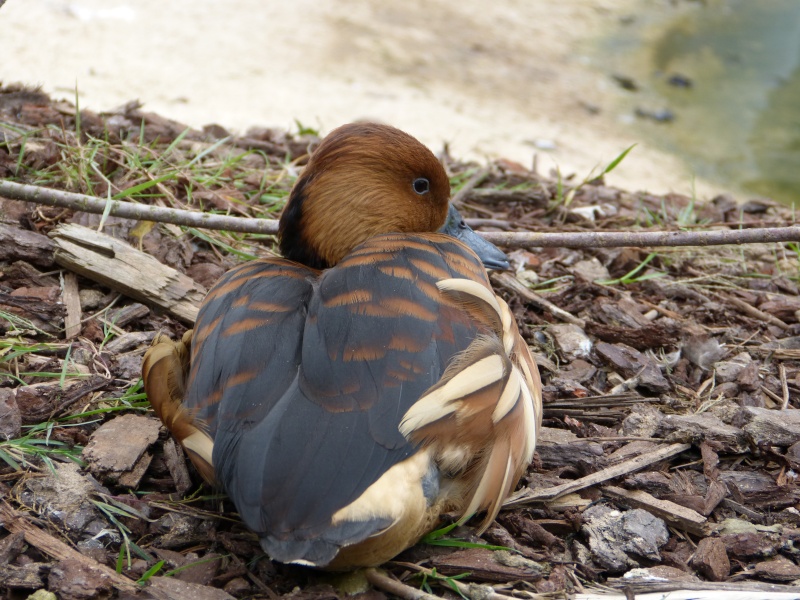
[350, 393]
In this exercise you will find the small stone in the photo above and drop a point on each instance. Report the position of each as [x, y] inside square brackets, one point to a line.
[571, 340]
[711, 559]
[42, 595]
[237, 586]
[749, 378]
[590, 270]
[728, 390]
[613, 535]
[642, 421]
[129, 366]
[93, 549]
[729, 370]
[90, 299]
[527, 277]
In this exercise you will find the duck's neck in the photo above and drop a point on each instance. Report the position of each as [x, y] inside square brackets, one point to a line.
[293, 244]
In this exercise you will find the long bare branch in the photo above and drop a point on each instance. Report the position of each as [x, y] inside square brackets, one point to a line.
[519, 239]
[131, 210]
[617, 239]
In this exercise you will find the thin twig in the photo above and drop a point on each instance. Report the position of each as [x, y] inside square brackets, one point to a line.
[751, 310]
[784, 386]
[528, 495]
[470, 185]
[382, 581]
[514, 285]
[474, 591]
[515, 239]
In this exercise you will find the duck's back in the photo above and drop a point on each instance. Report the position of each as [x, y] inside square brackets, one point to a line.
[303, 379]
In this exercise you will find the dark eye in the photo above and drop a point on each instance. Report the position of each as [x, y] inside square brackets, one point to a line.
[422, 185]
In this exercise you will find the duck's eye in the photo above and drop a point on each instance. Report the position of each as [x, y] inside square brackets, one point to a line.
[422, 185]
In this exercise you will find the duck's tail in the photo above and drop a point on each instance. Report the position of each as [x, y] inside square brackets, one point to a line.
[482, 417]
[164, 371]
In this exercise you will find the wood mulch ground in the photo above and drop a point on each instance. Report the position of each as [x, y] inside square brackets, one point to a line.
[671, 446]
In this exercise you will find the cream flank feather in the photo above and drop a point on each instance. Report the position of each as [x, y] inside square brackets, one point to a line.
[164, 370]
[482, 417]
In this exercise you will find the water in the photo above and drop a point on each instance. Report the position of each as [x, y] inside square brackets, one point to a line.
[738, 122]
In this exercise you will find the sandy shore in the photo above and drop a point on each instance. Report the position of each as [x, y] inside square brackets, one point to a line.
[512, 79]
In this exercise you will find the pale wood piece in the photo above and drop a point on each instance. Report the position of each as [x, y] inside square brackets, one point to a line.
[72, 302]
[382, 581]
[701, 590]
[674, 514]
[118, 265]
[629, 466]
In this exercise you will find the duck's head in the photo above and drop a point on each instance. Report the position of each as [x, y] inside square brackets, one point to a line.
[365, 179]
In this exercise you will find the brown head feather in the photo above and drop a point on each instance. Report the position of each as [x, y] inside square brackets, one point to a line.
[360, 183]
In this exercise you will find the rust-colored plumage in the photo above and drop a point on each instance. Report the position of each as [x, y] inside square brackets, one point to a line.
[347, 395]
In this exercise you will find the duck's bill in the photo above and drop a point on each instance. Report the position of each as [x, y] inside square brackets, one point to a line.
[491, 256]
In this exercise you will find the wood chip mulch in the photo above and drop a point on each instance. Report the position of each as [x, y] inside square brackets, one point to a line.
[671, 448]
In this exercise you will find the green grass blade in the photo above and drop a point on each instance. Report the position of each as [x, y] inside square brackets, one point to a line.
[145, 185]
[208, 150]
[150, 572]
[5, 456]
[194, 564]
[615, 163]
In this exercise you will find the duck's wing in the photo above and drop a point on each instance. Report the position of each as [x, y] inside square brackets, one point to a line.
[326, 465]
[245, 345]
